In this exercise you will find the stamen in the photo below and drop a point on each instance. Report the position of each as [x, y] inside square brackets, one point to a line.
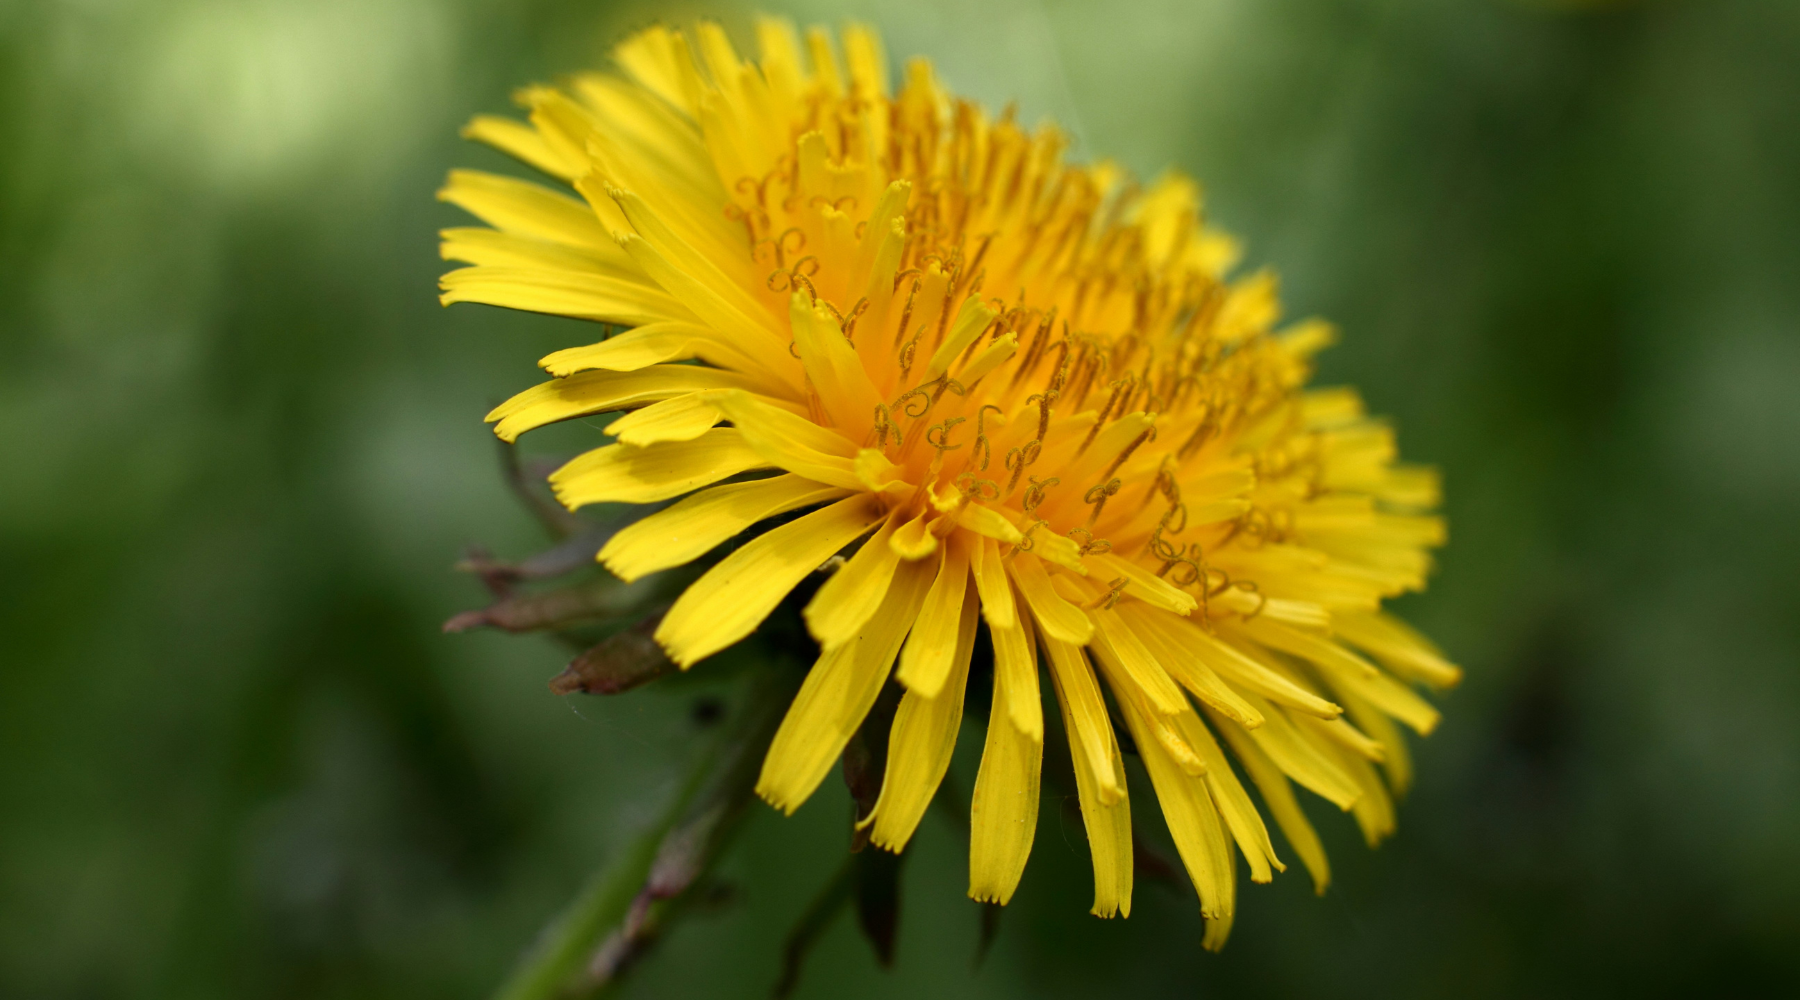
[849, 323]
[1149, 434]
[1043, 400]
[943, 322]
[738, 214]
[906, 354]
[942, 441]
[1162, 549]
[1098, 496]
[1164, 483]
[1250, 587]
[1035, 351]
[1100, 421]
[920, 392]
[1187, 580]
[975, 261]
[1089, 544]
[1034, 494]
[978, 488]
[1018, 459]
[1207, 428]
[982, 445]
[781, 244]
[884, 424]
[1026, 543]
[1111, 597]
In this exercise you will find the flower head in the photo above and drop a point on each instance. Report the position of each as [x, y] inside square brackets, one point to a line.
[1027, 388]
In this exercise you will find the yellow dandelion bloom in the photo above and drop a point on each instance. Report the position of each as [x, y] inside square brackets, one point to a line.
[1032, 394]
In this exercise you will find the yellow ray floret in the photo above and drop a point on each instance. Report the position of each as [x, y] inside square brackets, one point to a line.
[1013, 393]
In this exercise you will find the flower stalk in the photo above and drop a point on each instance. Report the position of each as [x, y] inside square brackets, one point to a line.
[627, 905]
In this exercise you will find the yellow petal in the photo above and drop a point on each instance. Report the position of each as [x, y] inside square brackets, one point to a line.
[931, 650]
[672, 261]
[1003, 815]
[1090, 731]
[1299, 759]
[873, 350]
[660, 342]
[780, 423]
[698, 298]
[991, 357]
[1099, 777]
[1241, 817]
[1059, 549]
[1345, 671]
[1237, 667]
[1344, 735]
[837, 374]
[678, 418]
[985, 520]
[580, 294]
[1305, 645]
[1185, 665]
[1113, 439]
[518, 206]
[1387, 695]
[990, 580]
[792, 442]
[1193, 824]
[562, 125]
[660, 60]
[1278, 795]
[1373, 808]
[735, 596]
[868, 67]
[602, 392]
[1137, 662]
[824, 61]
[620, 473]
[1381, 728]
[1015, 660]
[1161, 725]
[923, 737]
[647, 139]
[868, 266]
[779, 48]
[629, 351]
[1057, 618]
[1145, 586]
[838, 692]
[1398, 646]
[651, 160]
[971, 320]
[700, 522]
[915, 539]
[877, 473]
[693, 276]
[521, 141]
[494, 248]
[837, 613]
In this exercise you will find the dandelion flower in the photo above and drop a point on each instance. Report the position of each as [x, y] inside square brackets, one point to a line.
[1015, 393]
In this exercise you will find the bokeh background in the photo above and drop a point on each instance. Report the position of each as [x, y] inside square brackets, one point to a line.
[243, 448]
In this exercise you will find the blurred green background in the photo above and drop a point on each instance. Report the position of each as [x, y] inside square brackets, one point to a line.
[243, 447]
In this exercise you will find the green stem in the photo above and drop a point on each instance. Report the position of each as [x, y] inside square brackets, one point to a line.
[654, 873]
[563, 950]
